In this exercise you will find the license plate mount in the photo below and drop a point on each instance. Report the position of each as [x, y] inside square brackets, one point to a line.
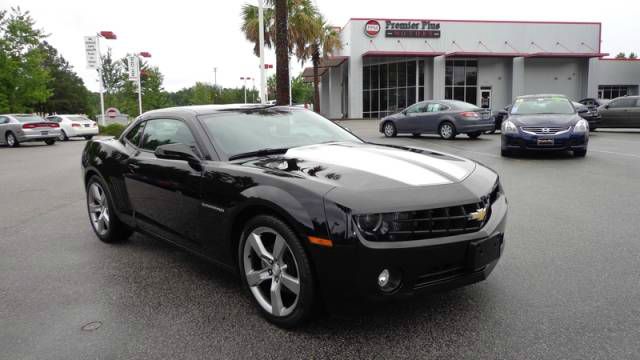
[482, 252]
[44, 133]
[546, 142]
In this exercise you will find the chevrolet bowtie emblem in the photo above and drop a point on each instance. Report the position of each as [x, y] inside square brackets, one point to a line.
[479, 215]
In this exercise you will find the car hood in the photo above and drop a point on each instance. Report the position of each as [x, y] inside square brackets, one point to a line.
[361, 165]
[549, 120]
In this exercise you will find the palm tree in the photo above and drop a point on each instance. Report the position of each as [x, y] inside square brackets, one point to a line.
[325, 41]
[297, 22]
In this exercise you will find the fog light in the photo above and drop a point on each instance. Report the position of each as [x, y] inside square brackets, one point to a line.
[383, 278]
[389, 280]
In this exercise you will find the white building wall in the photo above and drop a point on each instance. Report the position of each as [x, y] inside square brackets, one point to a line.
[496, 73]
[557, 76]
[613, 72]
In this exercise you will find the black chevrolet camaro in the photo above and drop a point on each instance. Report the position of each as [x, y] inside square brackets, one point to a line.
[306, 212]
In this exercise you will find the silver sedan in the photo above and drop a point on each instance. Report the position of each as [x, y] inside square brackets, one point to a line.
[19, 128]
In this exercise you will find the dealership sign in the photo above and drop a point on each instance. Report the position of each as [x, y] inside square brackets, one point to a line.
[371, 28]
[404, 29]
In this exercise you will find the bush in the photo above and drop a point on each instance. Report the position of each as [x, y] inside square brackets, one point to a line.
[112, 129]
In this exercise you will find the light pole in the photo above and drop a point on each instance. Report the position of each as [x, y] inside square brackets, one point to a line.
[215, 84]
[108, 35]
[244, 86]
[263, 81]
[253, 90]
[144, 54]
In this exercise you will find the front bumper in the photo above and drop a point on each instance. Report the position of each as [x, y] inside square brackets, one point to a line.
[526, 141]
[349, 278]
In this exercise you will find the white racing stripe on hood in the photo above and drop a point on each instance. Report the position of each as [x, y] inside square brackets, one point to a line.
[448, 167]
[371, 162]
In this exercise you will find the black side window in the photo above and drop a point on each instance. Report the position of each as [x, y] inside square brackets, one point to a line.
[134, 135]
[4, 120]
[623, 103]
[166, 131]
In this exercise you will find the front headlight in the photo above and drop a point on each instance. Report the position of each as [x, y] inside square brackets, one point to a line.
[509, 128]
[369, 223]
[582, 126]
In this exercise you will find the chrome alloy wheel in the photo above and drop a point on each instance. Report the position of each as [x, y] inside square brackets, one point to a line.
[446, 130]
[11, 140]
[98, 208]
[272, 271]
[389, 129]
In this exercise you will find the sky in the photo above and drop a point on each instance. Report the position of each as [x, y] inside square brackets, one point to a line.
[188, 38]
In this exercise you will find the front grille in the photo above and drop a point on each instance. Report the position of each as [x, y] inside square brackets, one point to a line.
[544, 130]
[438, 222]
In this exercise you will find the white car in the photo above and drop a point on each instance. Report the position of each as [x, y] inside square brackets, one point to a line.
[75, 126]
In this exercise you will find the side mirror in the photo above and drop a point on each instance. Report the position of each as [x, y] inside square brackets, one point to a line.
[583, 110]
[178, 152]
[404, 112]
[606, 106]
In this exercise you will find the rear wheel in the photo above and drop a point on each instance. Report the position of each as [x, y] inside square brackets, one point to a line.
[88, 137]
[447, 131]
[506, 152]
[103, 219]
[12, 140]
[276, 271]
[580, 153]
[63, 136]
[389, 129]
[474, 135]
[50, 141]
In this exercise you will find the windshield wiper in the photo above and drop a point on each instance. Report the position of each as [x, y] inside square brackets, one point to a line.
[261, 152]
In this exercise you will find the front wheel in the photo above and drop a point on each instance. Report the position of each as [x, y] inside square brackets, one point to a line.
[447, 131]
[389, 129]
[276, 271]
[474, 135]
[50, 141]
[103, 219]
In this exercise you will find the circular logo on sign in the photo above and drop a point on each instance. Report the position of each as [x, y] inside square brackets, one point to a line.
[372, 28]
[112, 112]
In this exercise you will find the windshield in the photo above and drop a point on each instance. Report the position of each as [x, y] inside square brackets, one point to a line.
[25, 118]
[542, 105]
[272, 128]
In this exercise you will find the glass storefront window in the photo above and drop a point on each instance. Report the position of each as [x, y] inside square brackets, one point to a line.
[461, 80]
[374, 77]
[390, 87]
[366, 74]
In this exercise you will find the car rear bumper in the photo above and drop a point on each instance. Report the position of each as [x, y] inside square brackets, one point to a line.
[525, 141]
[476, 127]
[90, 131]
[349, 282]
[38, 135]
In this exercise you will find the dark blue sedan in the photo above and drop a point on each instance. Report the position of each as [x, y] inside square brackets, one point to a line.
[544, 123]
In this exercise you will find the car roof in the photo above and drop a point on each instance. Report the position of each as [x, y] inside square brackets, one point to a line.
[212, 109]
[541, 95]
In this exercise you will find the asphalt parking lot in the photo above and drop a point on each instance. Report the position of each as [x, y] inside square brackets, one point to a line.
[568, 285]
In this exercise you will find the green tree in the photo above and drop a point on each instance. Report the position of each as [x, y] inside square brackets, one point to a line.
[69, 93]
[293, 18]
[23, 78]
[113, 73]
[633, 55]
[621, 56]
[301, 91]
[325, 41]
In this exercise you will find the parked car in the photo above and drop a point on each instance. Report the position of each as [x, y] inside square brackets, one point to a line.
[590, 114]
[444, 117]
[20, 128]
[75, 126]
[302, 209]
[593, 102]
[622, 112]
[499, 117]
[543, 123]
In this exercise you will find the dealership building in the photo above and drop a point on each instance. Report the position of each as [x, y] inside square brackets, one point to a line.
[386, 65]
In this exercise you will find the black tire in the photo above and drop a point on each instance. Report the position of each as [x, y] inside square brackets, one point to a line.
[117, 231]
[389, 129]
[593, 129]
[88, 137]
[11, 140]
[416, 134]
[474, 135]
[506, 152]
[50, 141]
[447, 134]
[580, 153]
[305, 303]
[63, 136]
